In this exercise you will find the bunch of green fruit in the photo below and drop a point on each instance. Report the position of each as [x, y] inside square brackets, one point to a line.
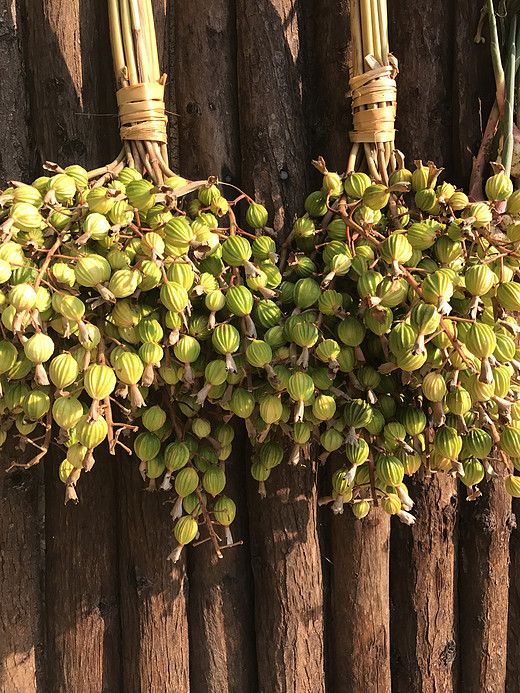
[380, 334]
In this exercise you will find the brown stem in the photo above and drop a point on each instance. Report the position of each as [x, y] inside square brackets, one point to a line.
[209, 524]
[484, 154]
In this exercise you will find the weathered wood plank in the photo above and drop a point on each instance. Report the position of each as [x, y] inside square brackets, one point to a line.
[328, 92]
[21, 493]
[21, 618]
[473, 88]
[286, 562]
[359, 602]
[221, 607]
[484, 588]
[273, 132]
[81, 582]
[70, 82]
[283, 529]
[423, 591]
[221, 614]
[421, 37]
[154, 623]
[513, 624]
[15, 153]
[206, 91]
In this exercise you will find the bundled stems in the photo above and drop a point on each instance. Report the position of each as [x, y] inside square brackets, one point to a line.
[136, 62]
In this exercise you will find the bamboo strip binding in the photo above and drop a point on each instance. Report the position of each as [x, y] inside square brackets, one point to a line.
[374, 104]
[142, 112]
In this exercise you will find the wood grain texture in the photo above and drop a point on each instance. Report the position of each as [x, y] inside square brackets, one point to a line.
[484, 589]
[286, 562]
[221, 616]
[473, 88]
[21, 493]
[283, 530]
[513, 623]
[21, 609]
[423, 591]
[15, 154]
[273, 132]
[206, 90]
[221, 607]
[154, 626]
[331, 117]
[359, 603]
[81, 582]
[421, 37]
[70, 81]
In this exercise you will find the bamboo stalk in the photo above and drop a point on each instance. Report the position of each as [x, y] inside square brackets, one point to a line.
[116, 41]
[356, 37]
[139, 47]
[498, 69]
[128, 42]
[147, 14]
[507, 124]
[376, 34]
[366, 28]
[383, 29]
[145, 33]
[517, 66]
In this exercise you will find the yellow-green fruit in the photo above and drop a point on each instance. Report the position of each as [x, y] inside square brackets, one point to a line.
[91, 433]
[185, 529]
[340, 481]
[39, 348]
[100, 381]
[513, 486]
[186, 482]
[65, 470]
[214, 480]
[224, 510]
[391, 504]
[361, 509]
[147, 446]
[499, 187]
[76, 454]
[36, 404]
[67, 411]
[510, 441]
[473, 472]
[153, 418]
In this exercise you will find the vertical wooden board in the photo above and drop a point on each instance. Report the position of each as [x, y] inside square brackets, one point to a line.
[275, 164]
[221, 607]
[286, 561]
[221, 618]
[81, 582]
[421, 37]
[166, 20]
[283, 530]
[513, 623]
[154, 622]
[21, 619]
[206, 91]
[70, 81]
[21, 570]
[331, 117]
[15, 155]
[359, 603]
[483, 587]
[473, 88]
[423, 591]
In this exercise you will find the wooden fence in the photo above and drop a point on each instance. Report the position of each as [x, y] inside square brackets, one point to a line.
[310, 602]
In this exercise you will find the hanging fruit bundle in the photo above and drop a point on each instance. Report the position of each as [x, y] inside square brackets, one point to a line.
[139, 312]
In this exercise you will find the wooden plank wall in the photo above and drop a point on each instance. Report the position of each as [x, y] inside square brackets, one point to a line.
[310, 602]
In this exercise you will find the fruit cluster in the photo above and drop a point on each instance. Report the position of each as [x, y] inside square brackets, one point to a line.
[380, 332]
